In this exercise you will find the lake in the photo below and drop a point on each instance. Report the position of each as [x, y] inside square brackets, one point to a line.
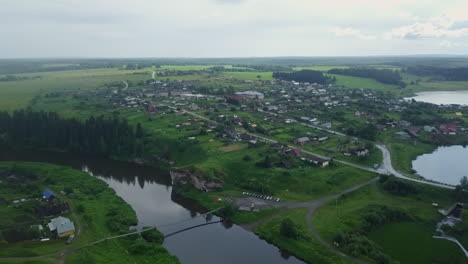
[445, 164]
[148, 190]
[442, 97]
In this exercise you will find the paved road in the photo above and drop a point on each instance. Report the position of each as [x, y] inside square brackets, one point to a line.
[126, 85]
[385, 168]
[388, 167]
[153, 75]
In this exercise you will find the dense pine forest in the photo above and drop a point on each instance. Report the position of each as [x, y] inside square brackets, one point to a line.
[47, 130]
[380, 75]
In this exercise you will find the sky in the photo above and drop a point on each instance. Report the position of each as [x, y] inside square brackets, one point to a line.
[231, 28]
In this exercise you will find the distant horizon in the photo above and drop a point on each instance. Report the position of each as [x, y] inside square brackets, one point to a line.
[246, 57]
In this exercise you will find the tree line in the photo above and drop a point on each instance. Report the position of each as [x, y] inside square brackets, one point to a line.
[440, 73]
[380, 75]
[303, 76]
[47, 130]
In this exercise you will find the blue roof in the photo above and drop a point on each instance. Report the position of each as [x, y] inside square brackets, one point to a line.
[47, 193]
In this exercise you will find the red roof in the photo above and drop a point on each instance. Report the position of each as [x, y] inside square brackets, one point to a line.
[297, 150]
[448, 128]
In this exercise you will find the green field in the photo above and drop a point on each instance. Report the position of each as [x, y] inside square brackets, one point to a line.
[344, 215]
[411, 243]
[362, 83]
[320, 68]
[18, 94]
[403, 154]
[185, 67]
[305, 248]
[250, 75]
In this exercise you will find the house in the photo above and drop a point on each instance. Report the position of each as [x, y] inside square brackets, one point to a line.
[327, 125]
[430, 129]
[233, 98]
[251, 95]
[301, 141]
[277, 146]
[448, 129]
[360, 152]
[295, 151]
[246, 137]
[252, 143]
[48, 195]
[402, 135]
[317, 161]
[62, 226]
[404, 123]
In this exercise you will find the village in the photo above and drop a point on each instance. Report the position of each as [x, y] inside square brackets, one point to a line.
[315, 122]
[47, 214]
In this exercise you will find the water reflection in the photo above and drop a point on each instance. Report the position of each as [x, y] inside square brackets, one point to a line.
[148, 190]
[443, 97]
[445, 164]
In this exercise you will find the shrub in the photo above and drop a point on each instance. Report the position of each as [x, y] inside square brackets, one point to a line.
[289, 229]
[153, 236]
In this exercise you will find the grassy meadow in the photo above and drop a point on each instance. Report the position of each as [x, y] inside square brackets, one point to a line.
[18, 94]
[345, 215]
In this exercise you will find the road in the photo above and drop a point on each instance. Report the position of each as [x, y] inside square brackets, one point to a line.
[153, 75]
[126, 85]
[388, 168]
[385, 168]
[312, 207]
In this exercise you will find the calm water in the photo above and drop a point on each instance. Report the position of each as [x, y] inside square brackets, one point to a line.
[148, 190]
[443, 97]
[445, 164]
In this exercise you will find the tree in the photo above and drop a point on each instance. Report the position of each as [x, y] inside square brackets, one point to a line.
[229, 210]
[464, 182]
[139, 131]
[289, 229]
[153, 236]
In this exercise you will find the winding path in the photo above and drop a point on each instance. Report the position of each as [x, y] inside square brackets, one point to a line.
[312, 207]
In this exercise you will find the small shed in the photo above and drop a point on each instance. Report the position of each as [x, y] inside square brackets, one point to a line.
[48, 194]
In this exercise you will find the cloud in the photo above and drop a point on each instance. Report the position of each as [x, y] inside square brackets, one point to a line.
[449, 44]
[230, 1]
[420, 30]
[350, 32]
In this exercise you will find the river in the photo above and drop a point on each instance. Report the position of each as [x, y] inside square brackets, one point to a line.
[148, 190]
[442, 97]
[445, 164]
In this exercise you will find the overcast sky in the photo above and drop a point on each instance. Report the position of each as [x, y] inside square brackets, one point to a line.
[231, 28]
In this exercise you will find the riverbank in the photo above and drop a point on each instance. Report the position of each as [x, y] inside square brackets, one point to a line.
[97, 211]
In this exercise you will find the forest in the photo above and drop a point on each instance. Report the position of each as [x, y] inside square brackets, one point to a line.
[439, 73]
[380, 75]
[303, 76]
[46, 130]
